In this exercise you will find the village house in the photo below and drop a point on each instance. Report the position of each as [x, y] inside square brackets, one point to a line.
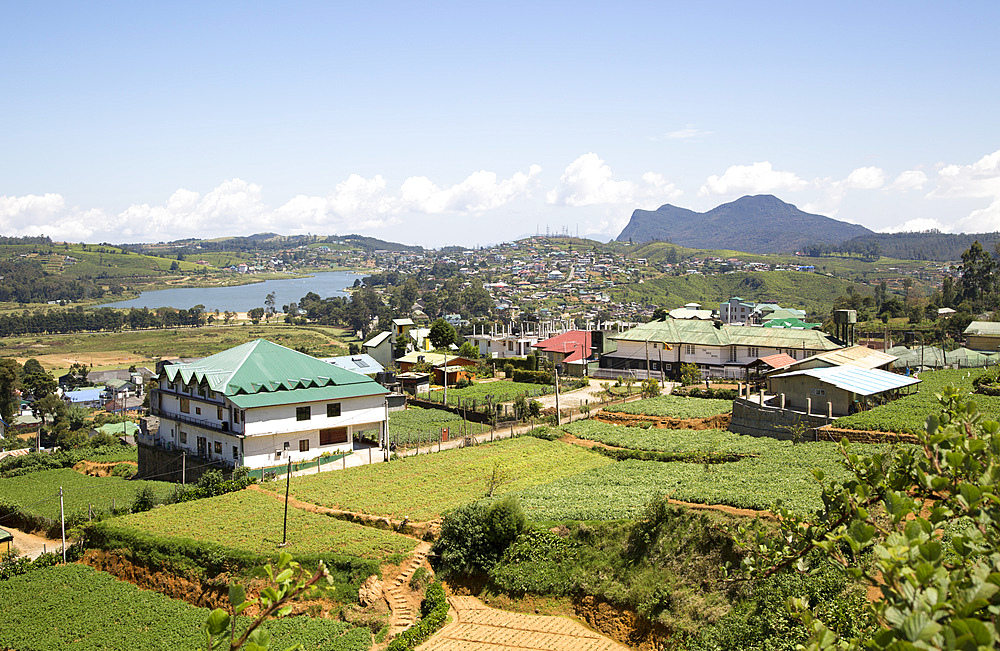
[261, 404]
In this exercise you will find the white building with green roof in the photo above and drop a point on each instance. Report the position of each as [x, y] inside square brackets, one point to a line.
[261, 404]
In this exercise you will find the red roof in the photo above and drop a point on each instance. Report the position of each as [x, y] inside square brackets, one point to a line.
[778, 361]
[575, 343]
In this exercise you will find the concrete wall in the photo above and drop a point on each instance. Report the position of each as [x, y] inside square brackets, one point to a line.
[752, 419]
[800, 389]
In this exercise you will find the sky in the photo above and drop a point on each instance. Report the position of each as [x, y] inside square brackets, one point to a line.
[440, 123]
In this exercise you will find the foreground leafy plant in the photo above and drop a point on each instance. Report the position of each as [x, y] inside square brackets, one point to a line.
[290, 582]
[931, 518]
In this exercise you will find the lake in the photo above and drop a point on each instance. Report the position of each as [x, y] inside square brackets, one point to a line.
[243, 298]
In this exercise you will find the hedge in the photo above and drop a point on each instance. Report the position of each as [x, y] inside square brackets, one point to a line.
[534, 377]
[434, 611]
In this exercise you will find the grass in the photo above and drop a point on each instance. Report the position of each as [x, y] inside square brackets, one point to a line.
[674, 407]
[75, 607]
[908, 414]
[252, 521]
[413, 424]
[425, 487]
[144, 347]
[37, 494]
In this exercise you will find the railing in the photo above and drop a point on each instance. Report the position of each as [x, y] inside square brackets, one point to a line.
[197, 422]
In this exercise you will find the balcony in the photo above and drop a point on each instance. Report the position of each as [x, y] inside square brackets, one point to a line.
[197, 422]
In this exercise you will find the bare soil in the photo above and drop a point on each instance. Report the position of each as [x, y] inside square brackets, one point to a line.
[100, 468]
[32, 545]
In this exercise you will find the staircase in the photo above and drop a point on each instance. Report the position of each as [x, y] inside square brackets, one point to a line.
[404, 614]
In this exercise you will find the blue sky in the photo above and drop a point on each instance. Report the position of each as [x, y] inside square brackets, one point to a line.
[441, 123]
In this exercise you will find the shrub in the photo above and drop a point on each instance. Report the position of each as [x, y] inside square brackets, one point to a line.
[533, 377]
[475, 536]
[650, 388]
[124, 470]
[434, 612]
[690, 374]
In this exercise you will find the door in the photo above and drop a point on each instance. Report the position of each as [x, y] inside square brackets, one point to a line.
[202, 446]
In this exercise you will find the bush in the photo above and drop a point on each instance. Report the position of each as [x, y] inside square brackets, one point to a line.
[650, 388]
[124, 470]
[690, 374]
[475, 536]
[533, 377]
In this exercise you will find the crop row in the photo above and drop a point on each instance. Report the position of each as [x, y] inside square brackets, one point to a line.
[416, 424]
[425, 486]
[37, 494]
[674, 407]
[484, 392]
[908, 414]
[77, 607]
[252, 521]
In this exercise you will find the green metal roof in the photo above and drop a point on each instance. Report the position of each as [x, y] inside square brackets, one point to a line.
[262, 367]
[705, 333]
[5, 535]
[790, 322]
[988, 328]
[312, 394]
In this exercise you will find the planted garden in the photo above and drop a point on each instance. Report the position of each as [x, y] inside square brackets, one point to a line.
[500, 391]
[251, 521]
[674, 407]
[415, 424]
[77, 607]
[425, 486]
[908, 414]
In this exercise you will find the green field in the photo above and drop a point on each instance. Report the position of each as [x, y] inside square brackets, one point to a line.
[424, 487]
[909, 413]
[416, 424]
[771, 470]
[501, 391]
[77, 607]
[674, 407]
[37, 494]
[251, 521]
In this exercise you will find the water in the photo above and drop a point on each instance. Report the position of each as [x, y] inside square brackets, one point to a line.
[242, 298]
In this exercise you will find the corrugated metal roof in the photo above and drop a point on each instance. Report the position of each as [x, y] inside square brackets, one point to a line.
[857, 356]
[990, 328]
[683, 331]
[864, 381]
[262, 366]
[435, 359]
[363, 364]
[377, 339]
[313, 394]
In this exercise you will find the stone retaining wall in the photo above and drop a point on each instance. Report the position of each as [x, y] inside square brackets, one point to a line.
[753, 419]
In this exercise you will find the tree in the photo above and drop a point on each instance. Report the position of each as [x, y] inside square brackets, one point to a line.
[468, 350]
[10, 381]
[442, 334]
[978, 282]
[255, 315]
[690, 374]
[650, 388]
[920, 523]
[269, 302]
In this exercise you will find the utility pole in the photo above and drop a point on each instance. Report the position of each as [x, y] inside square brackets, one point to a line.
[288, 481]
[62, 518]
[557, 397]
[184, 456]
[445, 374]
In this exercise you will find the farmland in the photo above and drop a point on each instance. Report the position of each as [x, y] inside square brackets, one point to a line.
[413, 424]
[674, 407]
[424, 487]
[908, 413]
[76, 607]
[501, 391]
[772, 470]
[252, 521]
[37, 494]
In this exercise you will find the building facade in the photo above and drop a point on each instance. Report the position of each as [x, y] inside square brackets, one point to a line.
[261, 404]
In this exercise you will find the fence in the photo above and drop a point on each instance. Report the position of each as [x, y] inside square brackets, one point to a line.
[270, 472]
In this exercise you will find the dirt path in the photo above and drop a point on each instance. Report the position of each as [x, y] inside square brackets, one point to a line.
[477, 627]
[31, 545]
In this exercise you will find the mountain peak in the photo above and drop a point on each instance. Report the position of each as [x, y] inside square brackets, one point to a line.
[760, 223]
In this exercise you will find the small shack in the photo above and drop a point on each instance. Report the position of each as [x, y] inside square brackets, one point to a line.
[838, 390]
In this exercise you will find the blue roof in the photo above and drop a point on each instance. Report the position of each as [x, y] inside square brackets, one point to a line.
[864, 381]
[84, 395]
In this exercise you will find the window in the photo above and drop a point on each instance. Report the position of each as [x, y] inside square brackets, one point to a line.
[303, 445]
[236, 452]
[236, 416]
[333, 410]
[172, 386]
[197, 410]
[218, 411]
[819, 392]
[689, 349]
[753, 352]
[333, 435]
[791, 353]
[201, 391]
[732, 353]
[218, 447]
[186, 405]
[303, 413]
[184, 437]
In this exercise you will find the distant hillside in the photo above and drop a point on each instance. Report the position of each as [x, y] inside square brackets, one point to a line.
[930, 245]
[755, 224]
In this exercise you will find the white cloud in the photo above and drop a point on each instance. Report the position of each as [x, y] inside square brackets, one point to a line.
[915, 225]
[757, 178]
[978, 180]
[909, 180]
[588, 181]
[687, 133]
[479, 192]
[865, 178]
